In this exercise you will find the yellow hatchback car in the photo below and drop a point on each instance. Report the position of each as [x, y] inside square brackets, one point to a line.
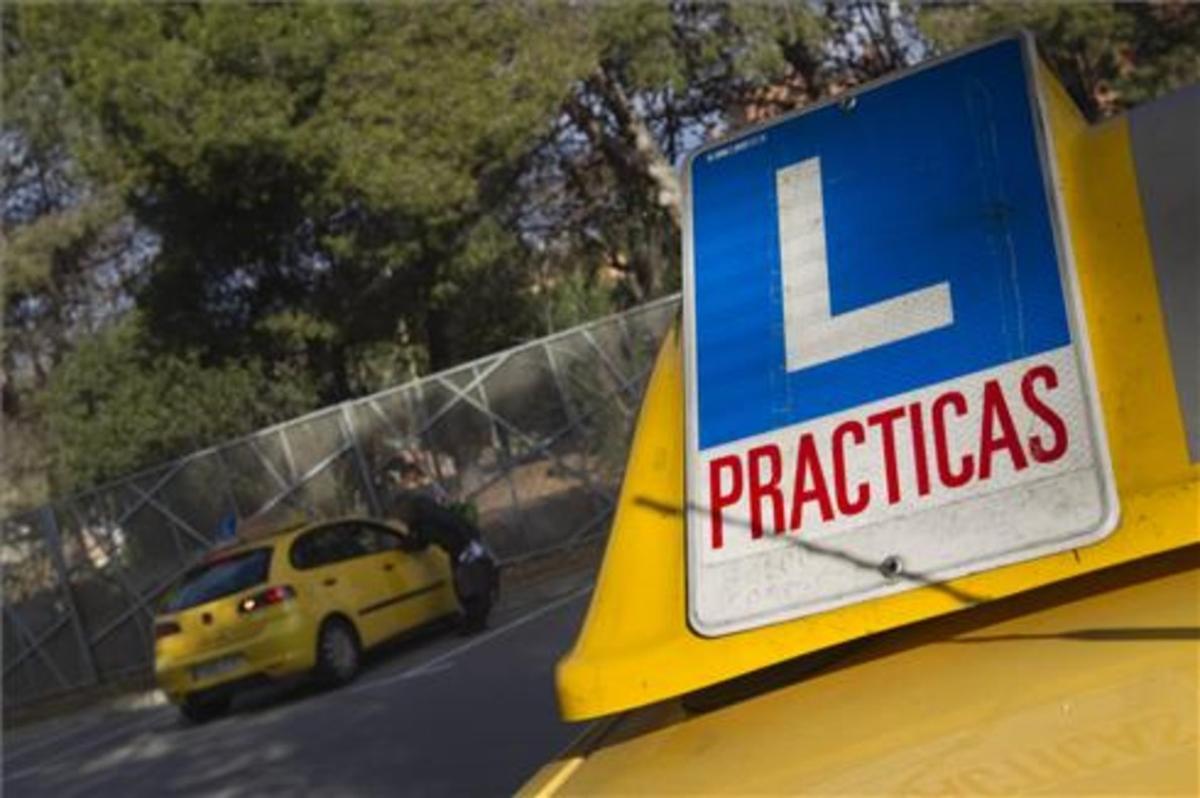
[309, 599]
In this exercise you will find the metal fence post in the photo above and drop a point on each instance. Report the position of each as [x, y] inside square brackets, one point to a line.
[285, 443]
[573, 420]
[502, 443]
[53, 542]
[350, 429]
[227, 484]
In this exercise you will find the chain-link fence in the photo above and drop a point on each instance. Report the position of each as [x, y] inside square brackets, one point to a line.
[533, 438]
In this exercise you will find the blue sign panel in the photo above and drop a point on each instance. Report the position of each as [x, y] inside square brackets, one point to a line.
[933, 180]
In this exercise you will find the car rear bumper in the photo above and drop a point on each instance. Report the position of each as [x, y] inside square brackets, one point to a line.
[285, 647]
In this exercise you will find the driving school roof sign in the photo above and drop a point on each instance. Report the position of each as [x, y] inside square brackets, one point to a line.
[886, 376]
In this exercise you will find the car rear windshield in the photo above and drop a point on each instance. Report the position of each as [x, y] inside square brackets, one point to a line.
[219, 577]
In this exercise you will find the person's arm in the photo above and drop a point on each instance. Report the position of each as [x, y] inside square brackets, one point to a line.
[444, 526]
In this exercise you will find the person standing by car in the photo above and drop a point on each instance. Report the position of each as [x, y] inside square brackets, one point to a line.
[476, 576]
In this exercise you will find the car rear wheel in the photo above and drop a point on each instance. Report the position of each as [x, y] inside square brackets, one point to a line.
[201, 709]
[337, 652]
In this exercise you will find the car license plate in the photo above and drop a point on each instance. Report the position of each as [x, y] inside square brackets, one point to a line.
[217, 667]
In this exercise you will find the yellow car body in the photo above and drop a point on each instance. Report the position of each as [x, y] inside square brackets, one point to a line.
[1086, 687]
[276, 593]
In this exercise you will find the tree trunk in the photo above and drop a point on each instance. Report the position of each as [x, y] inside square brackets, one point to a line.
[645, 155]
[437, 339]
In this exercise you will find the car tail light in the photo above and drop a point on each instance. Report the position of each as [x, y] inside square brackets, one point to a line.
[166, 629]
[272, 595]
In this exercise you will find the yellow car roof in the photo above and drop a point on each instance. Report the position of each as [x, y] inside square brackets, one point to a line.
[1078, 688]
[255, 536]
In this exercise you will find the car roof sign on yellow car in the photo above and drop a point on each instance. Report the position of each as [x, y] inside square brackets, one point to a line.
[877, 400]
[637, 645]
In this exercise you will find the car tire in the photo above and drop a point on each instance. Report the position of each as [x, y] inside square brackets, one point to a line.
[202, 709]
[338, 653]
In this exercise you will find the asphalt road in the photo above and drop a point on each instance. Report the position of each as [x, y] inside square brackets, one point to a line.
[438, 715]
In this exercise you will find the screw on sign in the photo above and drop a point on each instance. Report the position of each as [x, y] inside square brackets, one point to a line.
[884, 350]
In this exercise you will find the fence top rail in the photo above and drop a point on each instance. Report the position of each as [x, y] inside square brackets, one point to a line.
[179, 462]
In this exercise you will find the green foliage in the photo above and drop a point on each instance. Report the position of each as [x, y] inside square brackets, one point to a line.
[776, 37]
[334, 164]
[117, 405]
[41, 253]
[35, 98]
[429, 108]
[1109, 56]
[485, 296]
[574, 298]
[642, 38]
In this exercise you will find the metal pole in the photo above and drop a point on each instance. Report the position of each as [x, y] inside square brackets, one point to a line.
[502, 447]
[288, 457]
[53, 542]
[573, 420]
[227, 484]
[612, 369]
[631, 346]
[364, 471]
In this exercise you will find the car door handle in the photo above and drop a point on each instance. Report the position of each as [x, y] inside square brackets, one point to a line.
[387, 566]
[330, 582]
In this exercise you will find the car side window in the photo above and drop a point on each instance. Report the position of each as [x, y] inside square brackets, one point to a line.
[378, 539]
[327, 545]
[301, 553]
[361, 540]
[389, 539]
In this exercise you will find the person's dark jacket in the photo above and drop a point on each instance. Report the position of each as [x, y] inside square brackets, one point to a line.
[433, 523]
